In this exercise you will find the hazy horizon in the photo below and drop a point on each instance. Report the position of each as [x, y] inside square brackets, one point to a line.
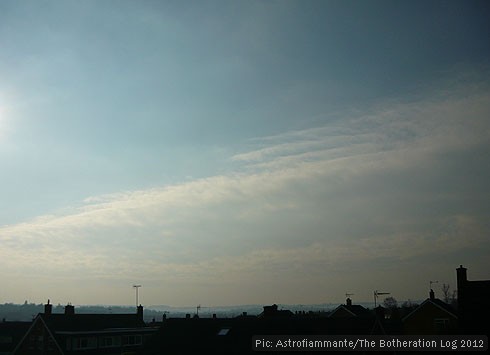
[243, 152]
[204, 310]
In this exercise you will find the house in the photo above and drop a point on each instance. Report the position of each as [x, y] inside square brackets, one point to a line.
[353, 317]
[433, 316]
[349, 310]
[273, 311]
[473, 303]
[215, 335]
[10, 335]
[186, 336]
[90, 334]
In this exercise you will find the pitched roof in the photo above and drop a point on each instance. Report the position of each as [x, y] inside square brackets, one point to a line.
[91, 322]
[11, 333]
[233, 335]
[355, 309]
[436, 302]
[59, 326]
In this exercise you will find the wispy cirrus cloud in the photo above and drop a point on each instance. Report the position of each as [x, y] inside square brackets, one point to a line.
[454, 121]
[382, 185]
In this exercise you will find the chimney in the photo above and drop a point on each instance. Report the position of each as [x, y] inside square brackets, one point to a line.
[139, 312]
[461, 276]
[48, 308]
[462, 281]
[348, 302]
[270, 310]
[69, 309]
[431, 294]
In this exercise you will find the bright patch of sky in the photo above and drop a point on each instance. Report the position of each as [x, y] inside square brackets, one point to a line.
[242, 152]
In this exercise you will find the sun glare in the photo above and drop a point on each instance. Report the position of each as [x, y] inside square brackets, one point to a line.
[3, 119]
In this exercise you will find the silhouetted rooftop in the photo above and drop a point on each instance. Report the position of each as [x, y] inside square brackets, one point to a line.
[11, 333]
[234, 335]
[438, 303]
[355, 310]
[91, 322]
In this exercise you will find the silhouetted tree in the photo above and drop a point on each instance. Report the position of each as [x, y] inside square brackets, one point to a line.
[407, 304]
[407, 307]
[446, 292]
[390, 303]
[454, 299]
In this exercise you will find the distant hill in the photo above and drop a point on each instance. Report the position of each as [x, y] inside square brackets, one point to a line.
[27, 311]
[233, 311]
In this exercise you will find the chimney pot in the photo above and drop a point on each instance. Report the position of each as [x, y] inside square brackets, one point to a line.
[139, 312]
[69, 309]
[461, 275]
[48, 308]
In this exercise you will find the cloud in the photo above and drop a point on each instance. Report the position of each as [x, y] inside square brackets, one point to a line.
[402, 182]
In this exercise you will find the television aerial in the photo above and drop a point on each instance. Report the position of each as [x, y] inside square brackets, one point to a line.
[430, 284]
[376, 294]
[136, 287]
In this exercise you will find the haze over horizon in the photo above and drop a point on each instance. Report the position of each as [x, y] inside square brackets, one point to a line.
[242, 152]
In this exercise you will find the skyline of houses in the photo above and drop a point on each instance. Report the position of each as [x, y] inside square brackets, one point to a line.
[77, 333]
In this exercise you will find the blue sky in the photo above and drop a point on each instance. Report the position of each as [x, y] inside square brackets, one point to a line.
[231, 152]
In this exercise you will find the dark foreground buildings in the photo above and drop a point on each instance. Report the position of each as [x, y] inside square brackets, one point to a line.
[88, 334]
[473, 304]
[433, 316]
[234, 335]
[10, 335]
[128, 334]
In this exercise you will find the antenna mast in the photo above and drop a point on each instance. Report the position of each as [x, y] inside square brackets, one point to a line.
[430, 284]
[376, 294]
[136, 287]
